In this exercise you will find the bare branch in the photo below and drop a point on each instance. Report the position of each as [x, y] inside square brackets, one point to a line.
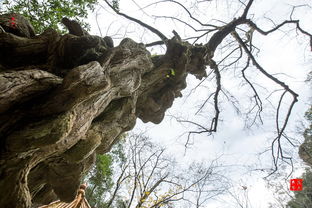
[256, 97]
[280, 131]
[296, 22]
[97, 22]
[214, 122]
[188, 12]
[184, 22]
[152, 29]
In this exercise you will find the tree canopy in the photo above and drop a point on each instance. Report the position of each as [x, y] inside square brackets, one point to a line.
[305, 150]
[49, 13]
[303, 199]
[146, 176]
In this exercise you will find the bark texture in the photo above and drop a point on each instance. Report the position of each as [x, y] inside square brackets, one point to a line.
[65, 98]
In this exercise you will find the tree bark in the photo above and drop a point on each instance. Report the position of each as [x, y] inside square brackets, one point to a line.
[65, 98]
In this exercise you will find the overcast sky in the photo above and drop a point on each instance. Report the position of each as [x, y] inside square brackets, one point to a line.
[279, 53]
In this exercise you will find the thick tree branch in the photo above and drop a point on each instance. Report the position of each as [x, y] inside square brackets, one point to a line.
[74, 27]
[155, 43]
[244, 15]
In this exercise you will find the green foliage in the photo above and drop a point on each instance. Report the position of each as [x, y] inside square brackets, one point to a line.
[308, 131]
[303, 199]
[172, 72]
[305, 150]
[45, 14]
[100, 179]
[118, 153]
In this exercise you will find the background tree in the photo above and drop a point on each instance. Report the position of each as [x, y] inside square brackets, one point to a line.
[239, 197]
[100, 179]
[303, 198]
[279, 184]
[148, 177]
[305, 150]
[49, 13]
[284, 198]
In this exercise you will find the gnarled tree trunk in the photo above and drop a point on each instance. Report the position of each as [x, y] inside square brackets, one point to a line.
[65, 98]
